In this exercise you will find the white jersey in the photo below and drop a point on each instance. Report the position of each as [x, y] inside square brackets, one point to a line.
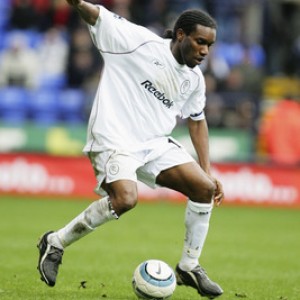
[142, 87]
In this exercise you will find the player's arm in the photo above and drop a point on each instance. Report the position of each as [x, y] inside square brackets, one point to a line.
[199, 136]
[200, 139]
[87, 11]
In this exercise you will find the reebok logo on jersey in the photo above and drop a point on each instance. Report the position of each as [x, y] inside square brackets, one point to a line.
[148, 85]
[118, 17]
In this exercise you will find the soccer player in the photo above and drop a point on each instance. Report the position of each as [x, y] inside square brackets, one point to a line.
[146, 82]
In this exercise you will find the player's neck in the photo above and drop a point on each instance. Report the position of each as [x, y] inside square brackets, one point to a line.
[176, 52]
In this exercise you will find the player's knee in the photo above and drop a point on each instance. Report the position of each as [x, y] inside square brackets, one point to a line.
[129, 201]
[211, 189]
[205, 192]
[124, 202]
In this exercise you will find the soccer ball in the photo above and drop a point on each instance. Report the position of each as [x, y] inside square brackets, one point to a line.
[154, 279]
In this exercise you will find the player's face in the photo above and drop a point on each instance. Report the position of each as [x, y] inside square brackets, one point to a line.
[195, 46]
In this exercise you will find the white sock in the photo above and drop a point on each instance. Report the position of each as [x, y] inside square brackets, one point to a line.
[197, 217]
[98, 213]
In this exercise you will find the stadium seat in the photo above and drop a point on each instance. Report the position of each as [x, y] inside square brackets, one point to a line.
[4, 14]
[71, 105]
[52, 81]
[4, 19]
[2, 35]
[13, 105]
[44, 106]
[31, 38]
[5, 4]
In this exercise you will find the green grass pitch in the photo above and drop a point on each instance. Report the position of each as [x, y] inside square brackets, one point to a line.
[252, 252]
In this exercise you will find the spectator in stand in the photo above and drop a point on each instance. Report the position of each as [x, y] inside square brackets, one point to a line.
[154, 18]
[41, 15]
[18, 64]
[83, 59]
[61, 13]
[122, 8]
[160, 13]
[215, 105]
[23, 15]
[53, 54]
[279, 136]
[282, 27]
[41, 6]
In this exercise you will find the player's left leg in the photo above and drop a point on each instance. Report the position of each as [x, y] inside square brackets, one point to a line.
[177, 170]
[193, 182]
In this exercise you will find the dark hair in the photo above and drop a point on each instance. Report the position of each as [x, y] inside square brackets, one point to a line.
[188, 21]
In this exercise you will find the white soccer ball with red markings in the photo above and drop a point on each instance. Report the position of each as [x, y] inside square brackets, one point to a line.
[154, 279]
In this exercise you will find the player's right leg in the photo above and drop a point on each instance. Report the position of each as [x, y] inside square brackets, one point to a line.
[49, 260]
[52, 244]
[122, 196]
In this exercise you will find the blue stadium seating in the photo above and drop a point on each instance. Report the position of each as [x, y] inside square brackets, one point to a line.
[52, 82]
[2, 35]
[43, 106]
[13, 105]
[71, 105]
[4, 13]
[31, 37]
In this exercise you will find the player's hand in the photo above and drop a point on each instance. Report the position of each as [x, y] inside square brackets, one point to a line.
[219, 194]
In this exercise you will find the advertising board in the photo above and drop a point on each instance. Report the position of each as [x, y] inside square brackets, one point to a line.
[244, 183]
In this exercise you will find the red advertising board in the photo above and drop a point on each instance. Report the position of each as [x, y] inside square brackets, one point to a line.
[46, 175]
[73, 176]
[260, 184]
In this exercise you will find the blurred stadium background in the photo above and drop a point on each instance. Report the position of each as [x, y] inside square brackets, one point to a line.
[49, 72]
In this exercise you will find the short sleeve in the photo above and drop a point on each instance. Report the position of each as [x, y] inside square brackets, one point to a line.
[194, 107]
[114, 34]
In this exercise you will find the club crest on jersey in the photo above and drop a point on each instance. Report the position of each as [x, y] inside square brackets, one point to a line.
[148, 85]
[114, 169]
[185, 86]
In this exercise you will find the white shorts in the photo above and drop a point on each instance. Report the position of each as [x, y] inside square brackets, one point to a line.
[143, 165]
